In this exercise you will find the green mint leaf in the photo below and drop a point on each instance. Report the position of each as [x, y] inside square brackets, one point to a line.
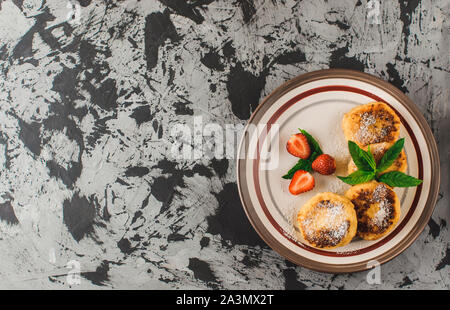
[357, 177]
[314, 155]
[391, 155]
[305, 164]
[368, 156]
[398, 179]
[359, 156]
[315, 147]
[302, 164]
[372, 161]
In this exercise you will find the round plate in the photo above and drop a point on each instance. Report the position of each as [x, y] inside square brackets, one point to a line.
[316, 102]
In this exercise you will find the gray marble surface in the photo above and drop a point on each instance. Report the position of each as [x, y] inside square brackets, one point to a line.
[89, 94]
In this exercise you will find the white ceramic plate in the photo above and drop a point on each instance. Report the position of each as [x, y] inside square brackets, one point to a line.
[316, 102]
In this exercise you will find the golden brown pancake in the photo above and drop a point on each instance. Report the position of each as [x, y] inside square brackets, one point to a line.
[377, 209]
[371, 123]
[327, 221]
[378, 150]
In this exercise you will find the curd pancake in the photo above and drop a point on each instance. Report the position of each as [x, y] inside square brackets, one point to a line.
[327, 221]
[371, 123]
[377, 209]
[378, 150]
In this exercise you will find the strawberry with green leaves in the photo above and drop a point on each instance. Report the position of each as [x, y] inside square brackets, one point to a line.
[304, 146]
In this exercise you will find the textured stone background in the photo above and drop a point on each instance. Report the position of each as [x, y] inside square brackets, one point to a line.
[87, 103]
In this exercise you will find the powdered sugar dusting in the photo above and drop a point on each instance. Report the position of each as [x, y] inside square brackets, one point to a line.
[365, 133]
[380, 195]
[380, 192]
[339, 232]
[326, 224]
[381, 215]
[337, 186]
[334, 210]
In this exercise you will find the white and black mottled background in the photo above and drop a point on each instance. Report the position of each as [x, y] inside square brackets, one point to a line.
[88, 98]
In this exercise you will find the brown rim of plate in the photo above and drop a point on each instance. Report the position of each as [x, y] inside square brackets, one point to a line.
[434, 184]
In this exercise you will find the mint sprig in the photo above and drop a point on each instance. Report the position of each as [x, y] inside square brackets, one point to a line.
[305, 164]
[398, 179]
[391, 155]
[313, 144]
[358, 156]
[368, 169]
[357, 177]
[302, 164]
[368, 156]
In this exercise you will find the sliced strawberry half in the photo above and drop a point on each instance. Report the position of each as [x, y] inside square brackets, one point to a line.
[301, 182]
[298, 146]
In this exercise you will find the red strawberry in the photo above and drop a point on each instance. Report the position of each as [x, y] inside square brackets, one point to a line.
[298, 146]
[324, 164]
[301, 182]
